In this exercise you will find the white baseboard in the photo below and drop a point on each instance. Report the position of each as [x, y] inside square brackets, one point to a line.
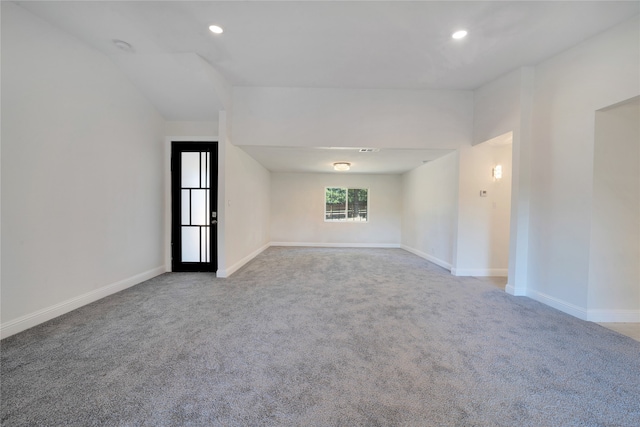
[337, 245]
[600, 316]
[30, 320]
[616, 316]
[511, 290]
[430, 258]
[226, 272]
[480, 272]
[558, 304]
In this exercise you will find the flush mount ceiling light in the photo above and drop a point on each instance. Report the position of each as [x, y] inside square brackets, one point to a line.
[123, 46]
[215, 29]
[342, 166]
[459, 34]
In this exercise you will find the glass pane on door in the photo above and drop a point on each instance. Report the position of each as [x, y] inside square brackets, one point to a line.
[198, 207]
[204, 243]
[185, 217]
[195, 210]
[190, 170]
[190, 244]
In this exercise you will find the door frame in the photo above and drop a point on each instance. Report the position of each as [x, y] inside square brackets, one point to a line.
[167, 192]
[211, 218]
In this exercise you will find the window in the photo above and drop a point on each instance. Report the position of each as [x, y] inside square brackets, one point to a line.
[346, 204]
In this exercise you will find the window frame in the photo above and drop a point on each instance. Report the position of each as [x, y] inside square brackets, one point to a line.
[346, 206]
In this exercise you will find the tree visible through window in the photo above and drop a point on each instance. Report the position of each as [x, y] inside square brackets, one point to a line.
[346, 204]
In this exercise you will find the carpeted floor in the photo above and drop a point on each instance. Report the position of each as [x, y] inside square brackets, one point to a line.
[320, 337]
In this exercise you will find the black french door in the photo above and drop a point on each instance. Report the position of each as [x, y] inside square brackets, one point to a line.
[194, 195]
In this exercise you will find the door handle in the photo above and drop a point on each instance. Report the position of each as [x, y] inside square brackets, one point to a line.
[214, 221]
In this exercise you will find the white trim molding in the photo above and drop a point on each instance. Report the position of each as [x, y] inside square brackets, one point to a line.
[480, 272]
[593, 315]
[558, 304]
[33, 319]
[226, 272]
[512, 290]
[430, 258]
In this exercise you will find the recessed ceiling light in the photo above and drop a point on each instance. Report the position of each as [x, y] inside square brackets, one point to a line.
[123, 46]
[215, 29]
[459, 34]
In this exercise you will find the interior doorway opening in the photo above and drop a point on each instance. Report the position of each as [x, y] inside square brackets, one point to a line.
[484, 209]
[614, 267]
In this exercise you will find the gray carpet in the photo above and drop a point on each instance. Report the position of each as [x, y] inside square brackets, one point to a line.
[320, 337]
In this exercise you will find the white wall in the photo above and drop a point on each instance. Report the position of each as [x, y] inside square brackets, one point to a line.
[503, 106]
[614, 260]
[569, 88]
[244, 200]
[429, 210]
[297, 210]
[482, 247]
[207, 128]
[351, 117]
[82, 175]
[497, 107]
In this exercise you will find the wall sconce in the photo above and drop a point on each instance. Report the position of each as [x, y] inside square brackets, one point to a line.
[497, 172]
[342, 166]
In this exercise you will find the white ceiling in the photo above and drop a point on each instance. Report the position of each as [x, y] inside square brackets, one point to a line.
[342, 44]
[380, 161]
[331, 44]
[321, 159]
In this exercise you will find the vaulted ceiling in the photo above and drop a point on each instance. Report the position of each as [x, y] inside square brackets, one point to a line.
[174, 58]
[336, 44]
